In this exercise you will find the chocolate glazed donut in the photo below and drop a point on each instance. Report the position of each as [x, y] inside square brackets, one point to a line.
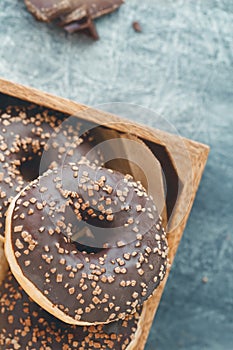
[25, 134]
[25, 325]
[77, 284]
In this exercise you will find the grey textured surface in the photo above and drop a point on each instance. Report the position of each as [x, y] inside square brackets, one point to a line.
[182, 67]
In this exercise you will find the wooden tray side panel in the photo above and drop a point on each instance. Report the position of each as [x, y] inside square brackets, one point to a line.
[199, 155]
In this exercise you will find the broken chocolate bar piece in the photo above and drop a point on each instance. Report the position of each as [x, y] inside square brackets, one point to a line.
[47, 10]
[85, 24]
[98, 8]
[77, 15]
[74, 15]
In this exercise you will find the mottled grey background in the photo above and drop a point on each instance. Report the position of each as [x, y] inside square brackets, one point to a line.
[182, 67]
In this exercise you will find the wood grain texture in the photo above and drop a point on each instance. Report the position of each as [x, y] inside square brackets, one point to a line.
[197, 154]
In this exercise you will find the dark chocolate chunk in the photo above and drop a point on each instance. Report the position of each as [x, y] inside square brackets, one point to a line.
[137, 27]
[74, 15]
[85, 24]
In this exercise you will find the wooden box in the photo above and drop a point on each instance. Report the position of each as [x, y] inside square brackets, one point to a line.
[182, 171]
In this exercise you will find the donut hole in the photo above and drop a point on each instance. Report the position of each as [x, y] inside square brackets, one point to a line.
[87, 249]
[30, 168]
[85, 240]
[94, 236]
[84, 236]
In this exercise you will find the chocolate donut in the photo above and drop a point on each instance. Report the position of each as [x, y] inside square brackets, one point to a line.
[25, 325]
[79, 284]
[26, 136]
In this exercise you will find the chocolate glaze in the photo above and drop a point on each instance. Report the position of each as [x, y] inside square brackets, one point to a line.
[31, 141]
[25, 325]
[104, 284]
